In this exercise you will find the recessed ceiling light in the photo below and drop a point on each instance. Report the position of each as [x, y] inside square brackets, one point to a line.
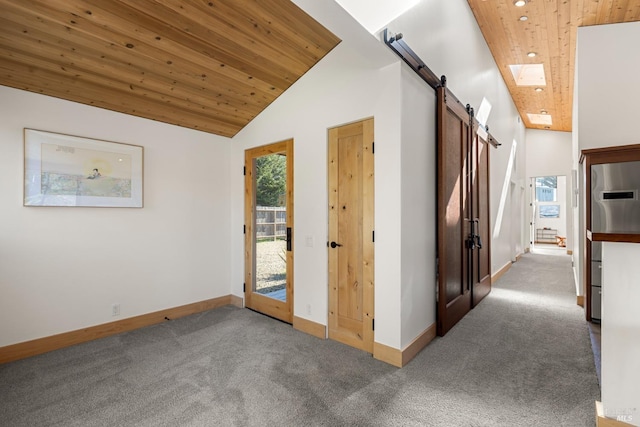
[523, 18]
[519, 3]
[531, 54]
[539, 89]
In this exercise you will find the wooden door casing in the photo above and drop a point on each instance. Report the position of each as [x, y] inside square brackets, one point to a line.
[351, 214]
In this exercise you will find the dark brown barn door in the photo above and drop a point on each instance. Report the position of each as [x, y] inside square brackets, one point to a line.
[481, 255]
[454, 293]
[464, 267]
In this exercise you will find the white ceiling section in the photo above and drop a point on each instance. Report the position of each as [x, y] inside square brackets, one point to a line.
[375, 15]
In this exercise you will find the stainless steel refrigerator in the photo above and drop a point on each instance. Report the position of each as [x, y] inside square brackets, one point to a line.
[615, 208]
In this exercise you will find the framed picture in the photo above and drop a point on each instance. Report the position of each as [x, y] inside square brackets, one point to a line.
[65, 170]
[549, 211]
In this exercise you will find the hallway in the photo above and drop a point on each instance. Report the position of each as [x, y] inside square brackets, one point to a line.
[525, 346]
[520, 358]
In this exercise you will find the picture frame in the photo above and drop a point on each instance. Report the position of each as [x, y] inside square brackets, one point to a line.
[549, 211]
[67, 170]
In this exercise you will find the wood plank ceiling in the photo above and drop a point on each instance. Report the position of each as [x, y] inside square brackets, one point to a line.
[550, 31]
[210, 65]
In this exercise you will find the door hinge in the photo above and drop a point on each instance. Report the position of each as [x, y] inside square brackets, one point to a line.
[244, 170]
[373, 236]
[373, 147]
[373, 324]
[244, 229]
[244, 287]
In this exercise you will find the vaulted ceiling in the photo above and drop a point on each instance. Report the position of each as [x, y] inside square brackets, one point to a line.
[549, 31]
[214, 65]
[210, 65]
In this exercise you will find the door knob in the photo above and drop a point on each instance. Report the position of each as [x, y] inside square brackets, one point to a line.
[335, 245]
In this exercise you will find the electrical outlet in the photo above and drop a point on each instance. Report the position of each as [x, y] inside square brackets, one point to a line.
[115, 310]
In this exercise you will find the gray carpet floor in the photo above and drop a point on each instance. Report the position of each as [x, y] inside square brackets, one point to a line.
[521, 358]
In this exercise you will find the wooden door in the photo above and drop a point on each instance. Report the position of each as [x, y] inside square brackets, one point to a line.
[481, 253]
[268, 230]
[350, 245]
[454, 293]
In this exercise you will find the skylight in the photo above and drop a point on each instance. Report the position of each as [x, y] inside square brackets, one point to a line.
[540, 119]
[528, 74]
[375, 16]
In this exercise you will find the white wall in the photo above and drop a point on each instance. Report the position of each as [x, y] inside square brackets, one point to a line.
[166, 254]
[578, 207]
[362, 78]
[620, 331]
[344, 87]
[447, 38]
[607, 93]
[418, 207]
[374, 18]
[550, 153]
[609, 89]
[61, 269]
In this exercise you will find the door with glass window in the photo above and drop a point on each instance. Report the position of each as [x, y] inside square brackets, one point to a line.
[269, 230]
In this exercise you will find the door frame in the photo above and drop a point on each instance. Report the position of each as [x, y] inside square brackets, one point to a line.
[282, 310]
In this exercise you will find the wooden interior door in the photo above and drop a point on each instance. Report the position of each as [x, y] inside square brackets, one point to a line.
[454, 292]
[268, 230]
[481, 253]
[350, 245]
